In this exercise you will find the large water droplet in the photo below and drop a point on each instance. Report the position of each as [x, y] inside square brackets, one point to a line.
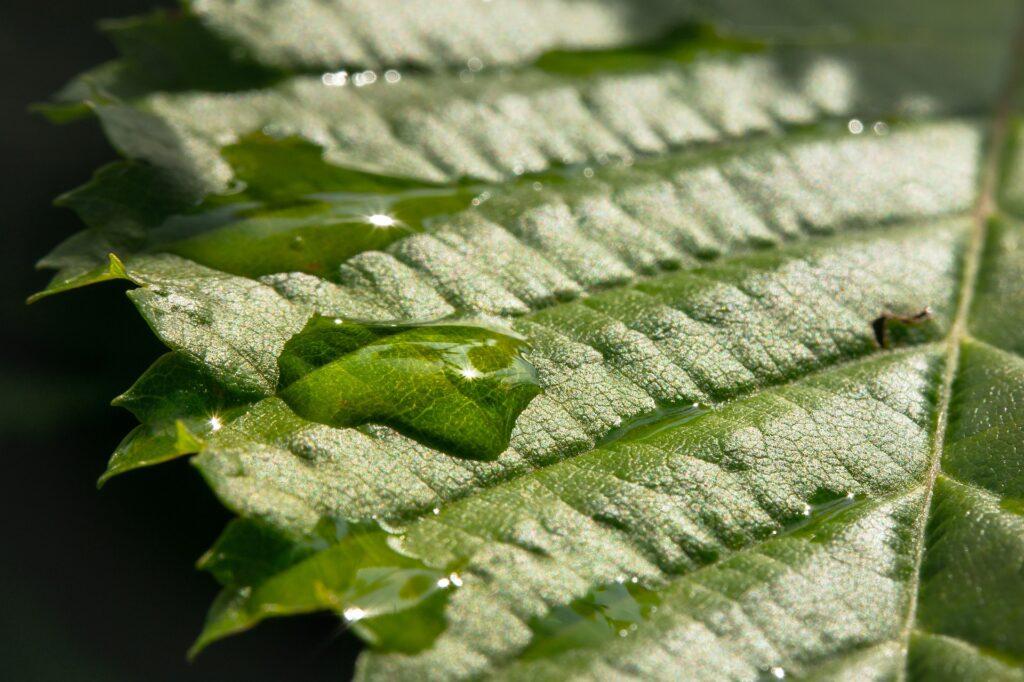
[458, 387]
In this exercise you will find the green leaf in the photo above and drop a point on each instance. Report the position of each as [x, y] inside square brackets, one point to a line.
[390, 599]
[179, 404]
[688, 341]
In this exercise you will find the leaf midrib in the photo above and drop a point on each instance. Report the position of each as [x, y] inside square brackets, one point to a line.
[985, 209]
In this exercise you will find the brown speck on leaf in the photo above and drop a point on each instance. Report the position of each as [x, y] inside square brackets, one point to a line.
[881, 323]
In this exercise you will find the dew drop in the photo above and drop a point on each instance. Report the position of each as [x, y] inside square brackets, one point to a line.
[855, 126]
[335, 79]
[354, 613]
[381, 220]
[364, 78]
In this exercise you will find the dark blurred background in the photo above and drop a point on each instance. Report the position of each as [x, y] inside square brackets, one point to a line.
[96, 584]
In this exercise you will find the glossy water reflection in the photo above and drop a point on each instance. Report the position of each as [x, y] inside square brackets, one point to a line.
[655, 422]
[605, 613]
[348, 568]
[293, 211]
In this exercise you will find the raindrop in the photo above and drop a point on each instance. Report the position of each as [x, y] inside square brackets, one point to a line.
[392, 76]
[855, 126]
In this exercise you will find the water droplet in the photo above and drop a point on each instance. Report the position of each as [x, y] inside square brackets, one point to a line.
[443, 583]
[538, 186]
[436, 511]
[331, 373]
[364, 78]
[215, 423]
[335, 79]
[475, 63]
[381, 220]
[777, 672]
[588, 172]
[392, 76]
[456, 579]
[880, 128]
[855, 126]
[354, 613]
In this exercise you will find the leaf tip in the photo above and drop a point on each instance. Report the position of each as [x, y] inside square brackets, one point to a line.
[114, 269]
